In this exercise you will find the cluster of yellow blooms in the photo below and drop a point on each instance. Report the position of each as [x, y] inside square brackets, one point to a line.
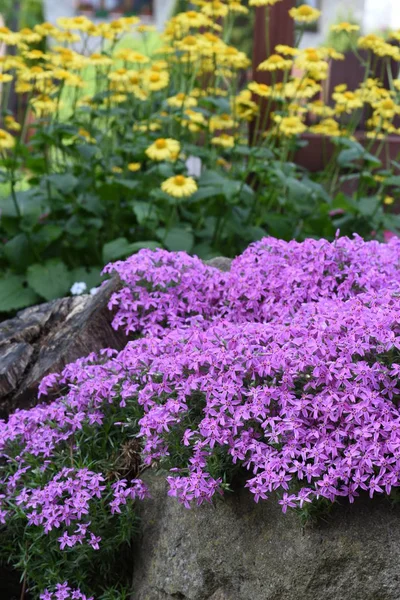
[170, 91]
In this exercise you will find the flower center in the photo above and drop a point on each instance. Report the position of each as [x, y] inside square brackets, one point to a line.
[161, 144]
[180, 180]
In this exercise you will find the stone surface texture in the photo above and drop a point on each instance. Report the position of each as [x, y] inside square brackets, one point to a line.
[43, 339]
[240, 550]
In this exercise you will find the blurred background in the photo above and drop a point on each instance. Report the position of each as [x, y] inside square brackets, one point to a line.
[373, 16]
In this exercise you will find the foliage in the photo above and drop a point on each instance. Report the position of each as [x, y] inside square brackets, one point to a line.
[284, 370]
[102, 140]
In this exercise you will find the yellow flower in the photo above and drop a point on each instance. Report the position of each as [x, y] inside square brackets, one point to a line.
[179, 186]
[387, 108]
[86, 135]
[223, 121]
[134, 166]
[236, 7]
[345, 26]
[181, 100]
[286, 50]
[43, 104]
[274, 63]
[11, 123]
[388, 200]
[263, 2]
[163, 149]
[6, 140]
[214, 9]
[100, 60]
[116, 169]
[79, 23]
[319, 108]
[193, 120]
[224, 140]
[304, 14]
[244, 107]
[45, 29]
[29, 36]
[369, 42]
[261, 89]
[5, 77]
[145, 28]
[290, 126]
[191, 18]
[154, 81]
[346, 101]
[328, 127]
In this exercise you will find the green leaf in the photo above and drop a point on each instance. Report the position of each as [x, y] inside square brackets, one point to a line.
[127, 183]
[18, 252]
[30, 202]
[14, 293]
[142, 210]
[50, 280]
[368, 206]
[63, 182]
[91, 276]
[47, 234]
[179, 239]
[203, 193]
[118, 248]
[394, 180]
[151, 245]
[87, 151]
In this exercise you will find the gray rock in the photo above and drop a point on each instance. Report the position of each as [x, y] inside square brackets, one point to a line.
[240, 550]
[43, 339]
[221, 263]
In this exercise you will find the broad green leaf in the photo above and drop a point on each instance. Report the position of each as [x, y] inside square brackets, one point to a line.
[368, 206]
[143, 211]
[118, 248]
[50, 280]
[63, 182]
[205, 192]
[15, 294]
[394, 180]
[30, 203]
[17, 251]
[179, 239]
[151, 245]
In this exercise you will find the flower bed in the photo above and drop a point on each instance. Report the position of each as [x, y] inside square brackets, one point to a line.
[285, 370]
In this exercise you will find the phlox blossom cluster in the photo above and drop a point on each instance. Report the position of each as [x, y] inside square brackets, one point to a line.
[63, 591]
[286, 367]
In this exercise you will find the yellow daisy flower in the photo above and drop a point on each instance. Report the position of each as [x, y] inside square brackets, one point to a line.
[11, 123]
[134, 166]
[6, 140]
[179, 186]
[275, 62]
[263, 2]
[345, 26]
[224, 140]
[290, 126]
[163, 149]
[181, 100]
[305, 14]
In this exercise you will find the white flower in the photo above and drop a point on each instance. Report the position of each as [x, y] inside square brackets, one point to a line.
[78, 288]
[93, 291]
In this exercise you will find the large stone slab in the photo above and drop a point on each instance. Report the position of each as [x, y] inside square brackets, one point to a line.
[240, 550]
